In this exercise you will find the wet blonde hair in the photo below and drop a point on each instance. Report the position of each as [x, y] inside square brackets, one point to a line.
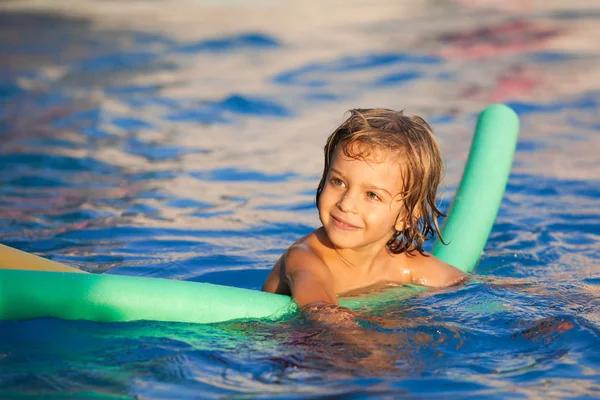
[410, 139]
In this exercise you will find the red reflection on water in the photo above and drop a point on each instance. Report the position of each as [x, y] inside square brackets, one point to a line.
[514, 36]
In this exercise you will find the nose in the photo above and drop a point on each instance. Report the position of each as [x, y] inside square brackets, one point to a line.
[346, 203]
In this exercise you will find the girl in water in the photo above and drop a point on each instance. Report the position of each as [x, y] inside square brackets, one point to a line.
[377, 206]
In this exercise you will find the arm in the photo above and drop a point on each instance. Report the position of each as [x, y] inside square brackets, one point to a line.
[431, 271]
[311, 287]
[274, 283]
[308, 278]
[301, 274]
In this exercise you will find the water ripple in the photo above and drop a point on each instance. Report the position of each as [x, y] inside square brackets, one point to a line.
[191, 150]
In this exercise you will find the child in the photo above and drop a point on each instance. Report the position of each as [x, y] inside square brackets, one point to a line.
[377, 204]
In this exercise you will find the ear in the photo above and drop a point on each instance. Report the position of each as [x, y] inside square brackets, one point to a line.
[402, 222]
[417, 213]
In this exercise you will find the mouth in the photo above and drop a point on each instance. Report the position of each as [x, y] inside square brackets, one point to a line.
[343, 225]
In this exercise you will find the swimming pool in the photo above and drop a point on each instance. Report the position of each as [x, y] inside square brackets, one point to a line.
[183, 140]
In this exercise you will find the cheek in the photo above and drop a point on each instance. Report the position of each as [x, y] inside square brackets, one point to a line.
[322, 205]
[382, 216]
[327, 196]
[322, 200]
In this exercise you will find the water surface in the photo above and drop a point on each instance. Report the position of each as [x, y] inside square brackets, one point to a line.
[183, 140]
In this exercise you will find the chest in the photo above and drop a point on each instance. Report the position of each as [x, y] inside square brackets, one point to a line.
[349, 279]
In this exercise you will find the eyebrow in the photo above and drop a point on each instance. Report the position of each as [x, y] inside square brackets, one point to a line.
[369, 186]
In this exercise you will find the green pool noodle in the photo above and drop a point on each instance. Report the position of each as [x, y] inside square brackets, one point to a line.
[475, 206]
[51, 292]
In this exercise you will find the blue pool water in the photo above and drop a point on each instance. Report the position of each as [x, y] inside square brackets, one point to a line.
[183, 140]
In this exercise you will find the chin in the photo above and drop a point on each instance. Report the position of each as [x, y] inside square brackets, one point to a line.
[341, 240]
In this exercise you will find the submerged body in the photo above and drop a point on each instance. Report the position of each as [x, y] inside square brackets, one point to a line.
[376, 201]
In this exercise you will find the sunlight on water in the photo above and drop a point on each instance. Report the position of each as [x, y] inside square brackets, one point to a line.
[183, 139]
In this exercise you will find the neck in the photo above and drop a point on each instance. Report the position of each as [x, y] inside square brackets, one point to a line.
[359, 258]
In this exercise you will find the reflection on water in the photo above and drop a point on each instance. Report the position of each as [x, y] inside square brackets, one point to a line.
[183, 140]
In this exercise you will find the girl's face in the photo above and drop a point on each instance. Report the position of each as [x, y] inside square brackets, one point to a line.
[360, 202]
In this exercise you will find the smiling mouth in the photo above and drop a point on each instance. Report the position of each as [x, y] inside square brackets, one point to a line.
[341, 224]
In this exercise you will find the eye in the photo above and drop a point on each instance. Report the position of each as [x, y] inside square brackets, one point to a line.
[337, 182]
[373, 196]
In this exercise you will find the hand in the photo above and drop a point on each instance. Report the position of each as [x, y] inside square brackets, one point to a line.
[330, 314]
[362, 347]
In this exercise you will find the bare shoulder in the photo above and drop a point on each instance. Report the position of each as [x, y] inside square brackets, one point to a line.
[307, 253]
[304, 255]
[302, 272]
[428, 270]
